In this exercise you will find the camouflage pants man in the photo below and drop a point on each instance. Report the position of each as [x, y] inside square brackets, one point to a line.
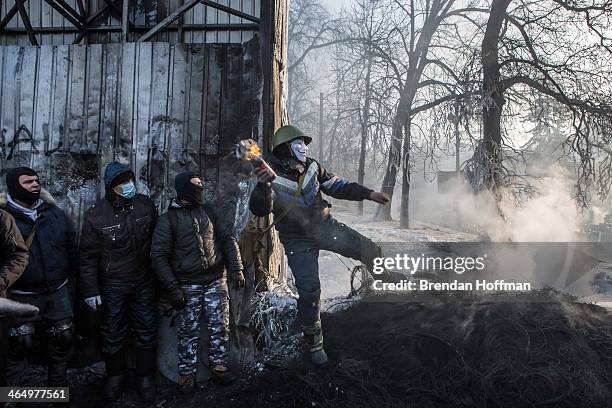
[213, 300]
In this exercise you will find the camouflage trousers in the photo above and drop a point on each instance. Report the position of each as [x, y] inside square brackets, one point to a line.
[212, 299]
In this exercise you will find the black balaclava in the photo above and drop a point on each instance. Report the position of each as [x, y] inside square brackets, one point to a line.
[186, 190]
[16, 190]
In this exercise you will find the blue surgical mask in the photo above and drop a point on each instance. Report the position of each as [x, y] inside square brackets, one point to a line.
[128, 190]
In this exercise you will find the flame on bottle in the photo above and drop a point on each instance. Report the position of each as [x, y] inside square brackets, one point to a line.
[254, 152]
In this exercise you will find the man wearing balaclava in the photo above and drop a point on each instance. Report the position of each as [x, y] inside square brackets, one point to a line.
[192, 246]
[305, 225]
[46, 283]
[116, 278]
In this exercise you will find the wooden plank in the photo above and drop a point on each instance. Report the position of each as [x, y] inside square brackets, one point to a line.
[58, 131]
[159, 121]
[110, 103]
[125, 13]
[46, 21]
[212, 115]
[199, 15]
[93, 98]
[211, 18]
[76, 98]
[140, 132]
[178, 114]
[35, 16]
[10, 97]
[222, 18]
[194, 118]
[127, 84]
[26, 78]
[42, 119]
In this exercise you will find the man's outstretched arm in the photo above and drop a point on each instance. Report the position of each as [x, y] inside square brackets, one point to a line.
[342, 189]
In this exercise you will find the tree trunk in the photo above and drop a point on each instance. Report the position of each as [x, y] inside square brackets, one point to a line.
[365, 122]
[493, 96]
[395, 151]
[405, 204]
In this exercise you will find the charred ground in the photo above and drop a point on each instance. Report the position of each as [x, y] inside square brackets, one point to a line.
[540, 349]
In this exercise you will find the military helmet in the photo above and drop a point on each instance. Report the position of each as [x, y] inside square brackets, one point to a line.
[286, 134]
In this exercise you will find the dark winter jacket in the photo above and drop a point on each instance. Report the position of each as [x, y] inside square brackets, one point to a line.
[176, 254]
[115, 243]
[310, 209]
[14, 255]
[53, 259]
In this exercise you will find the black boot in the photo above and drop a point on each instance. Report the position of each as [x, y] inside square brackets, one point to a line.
[114, 387]
[145, 358]
[186, 386]
[57, 374]
[115, 375]
[222, 375]
[314, 341]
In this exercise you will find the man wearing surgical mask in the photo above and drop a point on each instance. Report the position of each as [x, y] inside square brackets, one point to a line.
[116, 278]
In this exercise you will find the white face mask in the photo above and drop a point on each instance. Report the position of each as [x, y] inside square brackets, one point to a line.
[299, 149]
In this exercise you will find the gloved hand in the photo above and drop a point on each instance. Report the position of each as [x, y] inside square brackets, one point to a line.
[379, 197]
[238, 281]
[94, 302]
[177, 298]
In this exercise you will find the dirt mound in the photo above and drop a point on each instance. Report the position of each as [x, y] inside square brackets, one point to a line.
[539, 349]
[534, 350]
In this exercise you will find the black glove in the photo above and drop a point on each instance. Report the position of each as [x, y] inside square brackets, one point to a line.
[177, 298]
[238, 280]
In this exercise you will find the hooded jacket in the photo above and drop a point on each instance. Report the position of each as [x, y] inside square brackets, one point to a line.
[309, 209]
[14, 253]
[177, 256]
[116, 240]
[53, 259]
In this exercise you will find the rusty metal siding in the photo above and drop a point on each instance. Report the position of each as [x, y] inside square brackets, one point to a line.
[142, 13]
[159, 107]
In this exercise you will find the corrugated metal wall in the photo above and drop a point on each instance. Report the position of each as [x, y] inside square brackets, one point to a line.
[162, 108]
[142, 13]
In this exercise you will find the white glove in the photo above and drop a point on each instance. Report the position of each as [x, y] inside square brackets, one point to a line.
[93, 302]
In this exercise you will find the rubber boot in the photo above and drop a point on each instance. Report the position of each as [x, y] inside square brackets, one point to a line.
[314, 341]
[115, 375]
[222, 375]
[186, 386]
[145, 358]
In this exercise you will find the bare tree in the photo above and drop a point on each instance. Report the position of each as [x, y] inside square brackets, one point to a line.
[560, 49]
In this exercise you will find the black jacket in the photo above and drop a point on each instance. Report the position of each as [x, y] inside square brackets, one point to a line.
[310, 209]
[13, 252]
[53, 254]
[176, 254]
[115, 244]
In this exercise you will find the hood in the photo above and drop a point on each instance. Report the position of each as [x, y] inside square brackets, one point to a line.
[44, 195]
[114, 170]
